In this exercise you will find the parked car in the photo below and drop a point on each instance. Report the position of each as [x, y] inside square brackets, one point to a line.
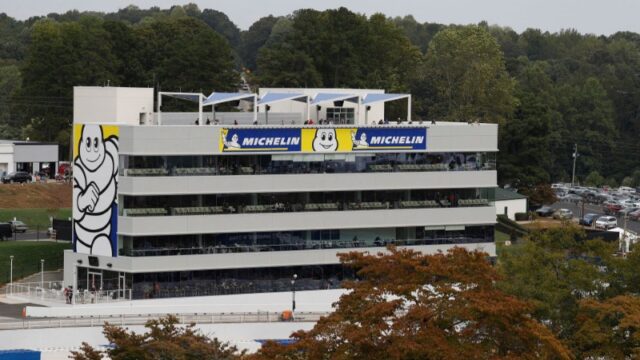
[606, 222]
[5, 231]
[572, 198]
[545, 211]
[634, 215]
[588, 219]
[611, 208]
[563, 214]
[16, 177]
[18, 226]
[627, 211]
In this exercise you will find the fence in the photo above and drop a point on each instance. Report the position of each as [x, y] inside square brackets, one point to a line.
[23, 269]
[53, 291]
[196, 318]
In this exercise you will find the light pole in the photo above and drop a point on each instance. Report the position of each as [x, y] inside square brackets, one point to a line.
[575, 157]
[42, 273]
[293, 292]
[11, 273]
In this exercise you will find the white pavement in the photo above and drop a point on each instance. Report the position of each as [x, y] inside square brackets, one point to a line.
[55, 343]
[306, 301]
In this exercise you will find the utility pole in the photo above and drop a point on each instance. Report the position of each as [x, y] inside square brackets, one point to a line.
[575, 157]
[624, 237]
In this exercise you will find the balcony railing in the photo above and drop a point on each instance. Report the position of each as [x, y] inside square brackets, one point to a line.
[281, 207]
[305, 245]
[300, 169]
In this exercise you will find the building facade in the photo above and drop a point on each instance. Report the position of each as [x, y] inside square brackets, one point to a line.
[204, 210]
[28, 156]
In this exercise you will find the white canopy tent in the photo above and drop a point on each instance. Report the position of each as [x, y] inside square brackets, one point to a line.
[212, 100]
[369, 99]
[222, 97]
[273, 97]
[193, 97]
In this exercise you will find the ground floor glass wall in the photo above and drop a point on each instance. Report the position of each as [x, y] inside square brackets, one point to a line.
[238, 281]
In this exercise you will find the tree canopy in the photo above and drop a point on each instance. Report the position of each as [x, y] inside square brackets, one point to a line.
[407, 305]
[165, 339]
[548, 91]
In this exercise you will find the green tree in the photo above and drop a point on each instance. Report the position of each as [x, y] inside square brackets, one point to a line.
[585, 294]
[526, 158]
[466, 69]
[165, 339]
[254, 38]
[185, 54]
[636, 178]
[594, 179]
[61, 56]
[10, 83]
[336, 47]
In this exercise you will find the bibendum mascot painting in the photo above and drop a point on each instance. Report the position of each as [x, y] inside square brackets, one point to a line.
[95, 184]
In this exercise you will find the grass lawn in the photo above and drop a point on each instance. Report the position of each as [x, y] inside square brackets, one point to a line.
[500, 238]
[27, 255]
[34, 217]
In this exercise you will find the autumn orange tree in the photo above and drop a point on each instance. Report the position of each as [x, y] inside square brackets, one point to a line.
[408, 305]
[608, 329]
[165, 339]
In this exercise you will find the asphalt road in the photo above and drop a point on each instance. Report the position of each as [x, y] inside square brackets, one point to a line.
[596, 209]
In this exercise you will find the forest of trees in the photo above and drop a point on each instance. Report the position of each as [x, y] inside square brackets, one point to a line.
[548, 91]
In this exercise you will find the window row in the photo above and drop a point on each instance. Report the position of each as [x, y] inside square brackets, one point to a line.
[303, 163]
[176, 205]
[239, 281]
[303, 240]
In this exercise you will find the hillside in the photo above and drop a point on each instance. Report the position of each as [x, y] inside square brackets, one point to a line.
[43, 196]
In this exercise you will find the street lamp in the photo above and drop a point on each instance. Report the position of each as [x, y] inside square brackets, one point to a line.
[42, 273]
[293, 292]
[11, 273]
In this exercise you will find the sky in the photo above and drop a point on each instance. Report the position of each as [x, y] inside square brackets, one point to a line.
[587, 16]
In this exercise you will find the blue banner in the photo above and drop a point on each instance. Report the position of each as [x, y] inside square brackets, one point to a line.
[284, 139]
[381, 138]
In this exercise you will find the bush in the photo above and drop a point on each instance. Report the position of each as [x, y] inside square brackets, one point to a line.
[522, 216]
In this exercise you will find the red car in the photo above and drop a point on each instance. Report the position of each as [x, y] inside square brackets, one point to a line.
[611, 208]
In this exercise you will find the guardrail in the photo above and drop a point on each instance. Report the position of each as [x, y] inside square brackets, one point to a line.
[53, 291]
[196, 318]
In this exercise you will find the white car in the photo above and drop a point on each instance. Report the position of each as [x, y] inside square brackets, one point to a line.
[606, 222]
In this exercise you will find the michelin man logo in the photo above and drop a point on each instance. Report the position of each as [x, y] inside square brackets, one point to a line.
[94, 189]
[359, 144]
[325, 140]
[233, 144]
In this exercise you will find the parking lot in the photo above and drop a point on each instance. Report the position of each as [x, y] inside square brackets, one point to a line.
[576, 208]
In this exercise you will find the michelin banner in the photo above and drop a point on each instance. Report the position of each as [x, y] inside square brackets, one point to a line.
[323, 139]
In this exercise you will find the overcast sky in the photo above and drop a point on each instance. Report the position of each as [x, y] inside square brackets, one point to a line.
[592, 16]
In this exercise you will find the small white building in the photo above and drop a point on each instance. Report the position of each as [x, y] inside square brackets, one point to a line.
[28, 156]
[509, 203]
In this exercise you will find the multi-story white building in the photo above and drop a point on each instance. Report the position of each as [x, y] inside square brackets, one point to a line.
[180, 210]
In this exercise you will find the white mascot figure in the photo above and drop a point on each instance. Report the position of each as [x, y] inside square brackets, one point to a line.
[325, 140]
[94, 190]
